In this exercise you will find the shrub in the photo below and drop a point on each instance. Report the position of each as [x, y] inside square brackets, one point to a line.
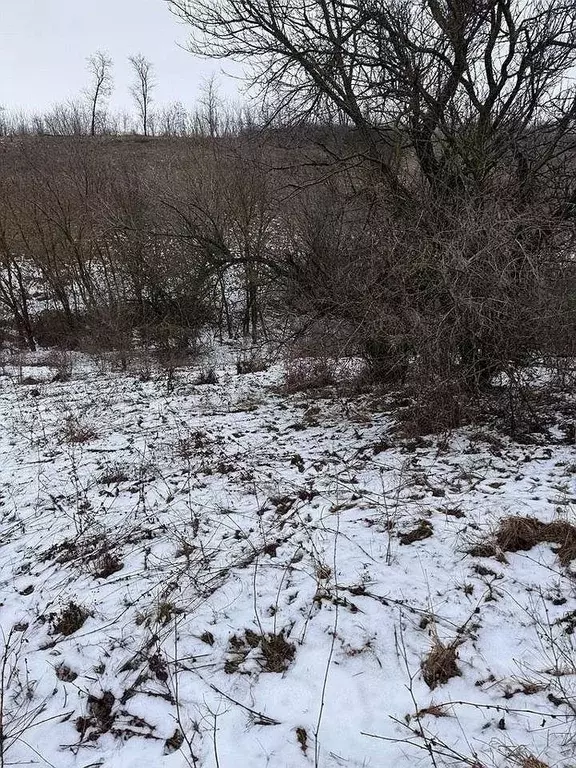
[207, 376]
[309, 373]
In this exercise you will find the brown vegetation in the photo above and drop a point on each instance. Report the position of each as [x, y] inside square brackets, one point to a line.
[70, 619]
[441, 664]
[516, 534]
[275, 653]
[416, 216]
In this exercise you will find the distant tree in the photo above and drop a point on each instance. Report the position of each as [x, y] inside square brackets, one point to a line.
[100, 88]
[142, 88]
[173, 120]
[210, 107]
[68, 119]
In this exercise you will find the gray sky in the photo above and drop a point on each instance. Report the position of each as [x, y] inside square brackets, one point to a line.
[44, 45]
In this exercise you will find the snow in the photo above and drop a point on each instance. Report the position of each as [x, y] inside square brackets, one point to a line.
[232, 507]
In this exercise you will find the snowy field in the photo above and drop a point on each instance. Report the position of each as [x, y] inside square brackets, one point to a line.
[224, 576]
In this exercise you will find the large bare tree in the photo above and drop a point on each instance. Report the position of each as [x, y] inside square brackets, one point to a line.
[461, 78]
[463, 118]
[100, 88]
[142, 88]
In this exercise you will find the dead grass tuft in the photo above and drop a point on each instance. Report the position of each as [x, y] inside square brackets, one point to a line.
[521, 758]
[174, 743]
[100, 717]
[434, 710]
[518, 534]
[70, 619]
[106, 565]
[533, 762]
[114, 474]
[275, 652]
[440, 664]
[302, 737]
[433, 409]
[74, 431]
[564, 535]
[483, 549]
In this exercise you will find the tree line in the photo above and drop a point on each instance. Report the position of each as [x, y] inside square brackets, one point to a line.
[90, 113]
[408, 195]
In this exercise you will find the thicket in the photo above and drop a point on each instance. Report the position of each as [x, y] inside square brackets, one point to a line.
[419, 211]
[110, 243]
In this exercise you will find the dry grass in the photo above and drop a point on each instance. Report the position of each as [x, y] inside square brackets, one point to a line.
[441, 664]
[483, 549]
[175, 742]
[100, 717]
[275, 652]
[532, 762]
[70, 620]
[106, 565]
[433, 409]
[518, 534]
[302, 738]
[521, 758]
[75, 432]
[434, 710]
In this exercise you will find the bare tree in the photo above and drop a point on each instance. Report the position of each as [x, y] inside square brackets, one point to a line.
[436, 68]
[100, 88]
[463, 111]
[210, 107]
[142, 88]
[68, 119]
[173, 120]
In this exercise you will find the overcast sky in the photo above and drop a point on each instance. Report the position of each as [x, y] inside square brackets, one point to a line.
[44, 45]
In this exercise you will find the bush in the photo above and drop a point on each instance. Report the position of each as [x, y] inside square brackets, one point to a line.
[57, 328]
[308, 373]
[207, 376]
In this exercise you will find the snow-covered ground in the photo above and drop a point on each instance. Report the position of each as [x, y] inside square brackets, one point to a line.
[223, 576]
